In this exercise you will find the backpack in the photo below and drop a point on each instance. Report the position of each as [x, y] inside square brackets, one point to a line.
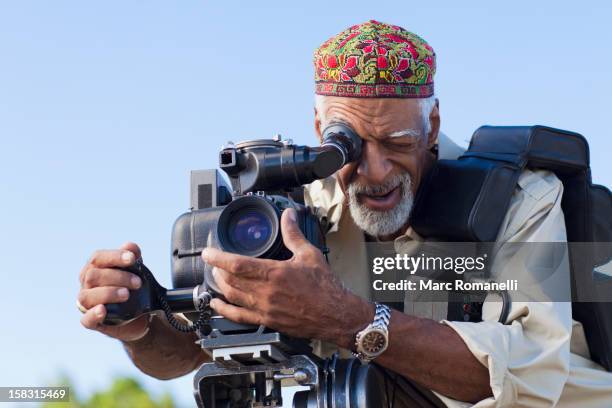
[486, 175]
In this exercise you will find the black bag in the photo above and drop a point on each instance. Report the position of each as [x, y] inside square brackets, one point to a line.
[484, 179]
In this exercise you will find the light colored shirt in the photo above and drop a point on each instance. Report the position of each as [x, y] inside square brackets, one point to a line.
[540, 358]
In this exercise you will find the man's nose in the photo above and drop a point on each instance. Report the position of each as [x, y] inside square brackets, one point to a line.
[374, 165]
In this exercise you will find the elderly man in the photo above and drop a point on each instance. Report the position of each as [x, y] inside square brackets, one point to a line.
[378, 79]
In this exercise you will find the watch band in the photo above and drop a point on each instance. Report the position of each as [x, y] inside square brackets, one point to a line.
[382, 316]
[377, 333]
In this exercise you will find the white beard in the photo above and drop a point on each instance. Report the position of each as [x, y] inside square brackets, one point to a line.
[381, 223]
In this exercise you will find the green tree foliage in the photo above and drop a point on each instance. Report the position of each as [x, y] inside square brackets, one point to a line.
[124, 392]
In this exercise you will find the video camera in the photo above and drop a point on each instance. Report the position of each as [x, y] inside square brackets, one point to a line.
[249, 364]
[266, 178]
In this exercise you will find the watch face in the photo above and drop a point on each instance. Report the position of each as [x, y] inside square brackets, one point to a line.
[374, 342]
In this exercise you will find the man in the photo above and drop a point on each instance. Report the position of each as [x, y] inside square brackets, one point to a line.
[378, 79]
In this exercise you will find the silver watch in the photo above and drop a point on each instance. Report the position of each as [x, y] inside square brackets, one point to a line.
[372, 341]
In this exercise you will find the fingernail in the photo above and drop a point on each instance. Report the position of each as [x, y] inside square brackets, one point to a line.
[205, 253]
[127, 257]
[123, 293]
[136, 282]
[213, 303]
[292, 215]
[99, 310]
[214, 273]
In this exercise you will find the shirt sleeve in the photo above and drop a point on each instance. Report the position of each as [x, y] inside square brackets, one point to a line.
[528, 359]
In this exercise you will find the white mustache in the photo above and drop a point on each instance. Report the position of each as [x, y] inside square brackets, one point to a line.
[354, 188]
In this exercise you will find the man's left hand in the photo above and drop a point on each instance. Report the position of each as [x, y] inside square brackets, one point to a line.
[300, 297]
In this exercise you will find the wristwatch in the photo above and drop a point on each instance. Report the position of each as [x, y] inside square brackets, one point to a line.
[372, 341]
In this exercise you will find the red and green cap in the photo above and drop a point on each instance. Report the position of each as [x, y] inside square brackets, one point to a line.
[375, 60]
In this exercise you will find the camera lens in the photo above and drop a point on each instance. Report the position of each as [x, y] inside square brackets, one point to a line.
[250, 230]
[250, 225]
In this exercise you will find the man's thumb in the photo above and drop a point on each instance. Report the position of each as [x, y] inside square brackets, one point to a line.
[290, 230]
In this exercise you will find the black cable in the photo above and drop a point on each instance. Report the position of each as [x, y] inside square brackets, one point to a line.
[203, 317]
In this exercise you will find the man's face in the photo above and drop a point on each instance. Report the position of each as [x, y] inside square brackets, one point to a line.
[396, 154]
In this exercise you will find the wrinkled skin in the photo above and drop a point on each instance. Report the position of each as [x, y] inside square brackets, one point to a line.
[152, 344]
[298, 297]
[102, 282]
[375, 120]
[383, 156]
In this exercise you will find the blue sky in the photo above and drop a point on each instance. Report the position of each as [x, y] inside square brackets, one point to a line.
[105, 107]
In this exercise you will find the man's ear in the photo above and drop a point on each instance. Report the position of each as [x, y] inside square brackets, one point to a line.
[434, 120]
[317, 125]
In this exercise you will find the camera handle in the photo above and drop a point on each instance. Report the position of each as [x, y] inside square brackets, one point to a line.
[152, 297]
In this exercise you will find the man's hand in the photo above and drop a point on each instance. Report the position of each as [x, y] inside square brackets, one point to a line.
[299, 297]
[103, 282]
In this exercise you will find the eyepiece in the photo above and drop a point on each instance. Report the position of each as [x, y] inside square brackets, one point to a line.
[345, 139]
[340, 146]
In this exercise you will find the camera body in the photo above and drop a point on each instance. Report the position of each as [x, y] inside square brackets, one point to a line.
[266, 177]
[247, 225]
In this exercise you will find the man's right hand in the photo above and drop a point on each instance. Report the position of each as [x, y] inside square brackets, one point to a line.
[103, 281]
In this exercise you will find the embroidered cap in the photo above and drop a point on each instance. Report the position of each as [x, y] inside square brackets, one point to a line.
[375, 60]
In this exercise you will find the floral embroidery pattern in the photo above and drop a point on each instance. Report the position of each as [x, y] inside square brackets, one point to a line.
[375, 59]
